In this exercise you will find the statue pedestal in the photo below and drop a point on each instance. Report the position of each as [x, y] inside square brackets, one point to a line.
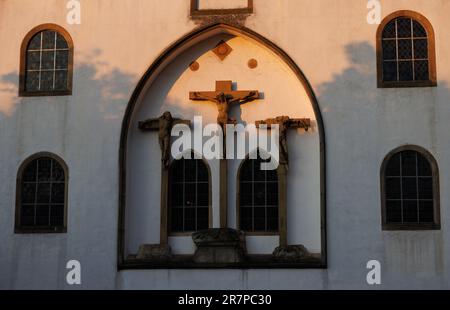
[154, 252]
[219, 246]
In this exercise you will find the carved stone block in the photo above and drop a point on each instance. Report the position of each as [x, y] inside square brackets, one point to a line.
[156, 252]
[220, 245]
[291, 253]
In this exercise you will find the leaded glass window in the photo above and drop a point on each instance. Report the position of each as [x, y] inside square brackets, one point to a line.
[410, 189]
[42, 195]
[258, 197]
[47, 62]
[189, 196]
[405, 49]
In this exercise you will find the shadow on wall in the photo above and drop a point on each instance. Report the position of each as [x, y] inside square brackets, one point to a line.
[102, 86]
[363, 123]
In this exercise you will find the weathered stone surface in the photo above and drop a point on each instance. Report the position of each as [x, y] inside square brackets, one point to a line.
[154, 252]
[220, 245]
[291, 253]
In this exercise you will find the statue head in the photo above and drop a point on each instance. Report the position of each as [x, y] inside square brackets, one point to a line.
[167, 115]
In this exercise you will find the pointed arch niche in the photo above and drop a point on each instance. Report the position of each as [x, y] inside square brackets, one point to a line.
[192, 64]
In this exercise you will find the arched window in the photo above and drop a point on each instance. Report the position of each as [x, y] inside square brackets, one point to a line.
[189, 196]
[406, 52]
[257, 198]
[410, 190]
[46, 62]
[41, 204]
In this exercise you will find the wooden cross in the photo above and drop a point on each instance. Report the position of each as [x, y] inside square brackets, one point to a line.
[284, 123]
[224, 97]
[163, 125]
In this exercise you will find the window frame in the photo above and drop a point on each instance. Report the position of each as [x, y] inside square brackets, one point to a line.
[169, 200]
[432, 81]
[18, 228]
[436, 225]
[195, 11]
[23, 62]
[238, 204]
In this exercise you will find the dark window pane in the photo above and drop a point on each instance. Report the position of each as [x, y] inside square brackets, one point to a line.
[426, 188]
[29, 174]
[28, 193]
[246, 172]
[189, 219]
[48, 60]
[42, 215]
[246, 194]
[426, 212]
[246, 219]
[404, 49]
[272, 175]
[260, 219]
[260, 194]
[35, 42]
[203, 194]
[61, 42]
[420, 49]
[190, 168]
[177, 220]
[410, 211]
[62, 59]
[419, 31]
[33, 60]
[48, 41]
[177, 195]
[409, 188]
[393, 211]
[27, 215]
[202, 172]
[190, 195]
[272, 219]
[32, 81]
[57, 172]
[421, 70]
[44, 169]
[202, 218]
[272, 194]
[177, 171]
[424, 167]
[58, 190]
[389, 71]
[404, 27]
[389, 50]
[393, 166]
[46, 80]
[61, 80]
[409, 163]
[389, 30]
[393, 188]
[405, 70]
[259, 175]
[43, 193]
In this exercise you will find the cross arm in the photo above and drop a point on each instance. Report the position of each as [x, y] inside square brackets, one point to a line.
[300, 123]
[149, 125]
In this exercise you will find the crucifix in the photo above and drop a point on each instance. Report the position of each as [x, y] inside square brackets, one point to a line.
[224, 97]
[284, 123]
[163, 125]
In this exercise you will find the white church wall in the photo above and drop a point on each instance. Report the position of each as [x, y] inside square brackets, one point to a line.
[117, 41]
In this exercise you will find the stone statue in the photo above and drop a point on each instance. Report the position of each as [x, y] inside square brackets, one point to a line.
[163, 125]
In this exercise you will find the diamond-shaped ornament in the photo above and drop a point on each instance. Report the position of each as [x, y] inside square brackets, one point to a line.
[222, 50]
